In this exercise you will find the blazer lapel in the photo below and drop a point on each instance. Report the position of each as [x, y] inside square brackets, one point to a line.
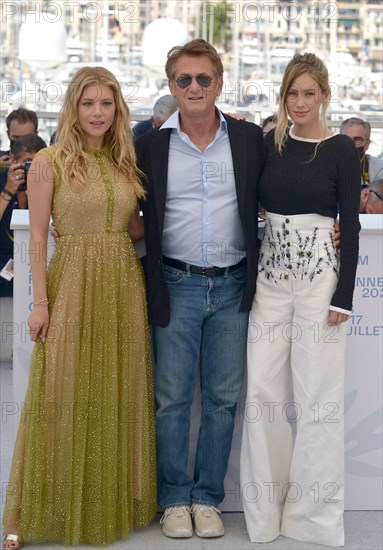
[237, 137]
[160, 157]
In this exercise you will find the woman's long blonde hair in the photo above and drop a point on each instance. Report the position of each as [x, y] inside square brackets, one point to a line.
[300, 63]
[70, 155]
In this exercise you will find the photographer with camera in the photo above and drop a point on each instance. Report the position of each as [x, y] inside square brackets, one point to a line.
[9, 191]
[12, 196]
[19, 122]
[16, 183]
[24, 151]
[21, 156]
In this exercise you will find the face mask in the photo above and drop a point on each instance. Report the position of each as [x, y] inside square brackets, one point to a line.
[361, 152]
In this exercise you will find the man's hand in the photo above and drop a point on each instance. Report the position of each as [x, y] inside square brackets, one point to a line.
[15, 177]
[53, 233]
[136, 228]
[237, 116]
[5, 162]
[336, 236]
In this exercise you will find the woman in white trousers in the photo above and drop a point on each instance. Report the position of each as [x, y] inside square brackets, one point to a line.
[292, 458]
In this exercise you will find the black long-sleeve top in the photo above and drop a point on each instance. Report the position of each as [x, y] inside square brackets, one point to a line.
[296, 183]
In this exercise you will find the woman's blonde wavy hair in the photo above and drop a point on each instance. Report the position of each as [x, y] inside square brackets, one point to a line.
[70, 155]
[301, 63]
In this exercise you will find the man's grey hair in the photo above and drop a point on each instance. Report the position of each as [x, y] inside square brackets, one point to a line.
[355, 120]
[165, 106]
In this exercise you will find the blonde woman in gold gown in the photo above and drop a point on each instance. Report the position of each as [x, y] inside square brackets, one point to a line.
[83, 470]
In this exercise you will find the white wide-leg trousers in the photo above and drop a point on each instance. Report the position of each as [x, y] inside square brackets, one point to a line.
[292, 456]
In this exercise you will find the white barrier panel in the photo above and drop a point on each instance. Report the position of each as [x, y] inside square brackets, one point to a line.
[363, 395]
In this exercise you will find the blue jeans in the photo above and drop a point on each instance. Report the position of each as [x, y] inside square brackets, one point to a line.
[206, 331]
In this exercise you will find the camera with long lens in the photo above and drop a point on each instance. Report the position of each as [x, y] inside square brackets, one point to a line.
[27, 165]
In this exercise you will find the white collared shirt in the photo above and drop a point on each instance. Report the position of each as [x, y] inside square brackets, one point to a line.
[202, 225]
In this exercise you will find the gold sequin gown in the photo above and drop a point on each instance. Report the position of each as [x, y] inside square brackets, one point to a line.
[84, 468]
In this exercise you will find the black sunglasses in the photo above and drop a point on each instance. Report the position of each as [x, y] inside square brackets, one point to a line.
[376, 194]
[203, 80]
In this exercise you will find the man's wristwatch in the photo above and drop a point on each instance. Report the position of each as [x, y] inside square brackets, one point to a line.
[7, 192]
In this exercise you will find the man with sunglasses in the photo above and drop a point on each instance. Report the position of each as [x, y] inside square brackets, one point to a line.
[200, 216]
[359, 131]
[371, 198]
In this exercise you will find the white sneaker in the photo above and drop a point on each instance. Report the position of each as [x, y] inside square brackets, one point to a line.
[207, 521]
[176, 522]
